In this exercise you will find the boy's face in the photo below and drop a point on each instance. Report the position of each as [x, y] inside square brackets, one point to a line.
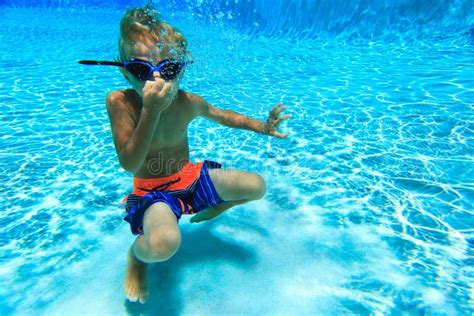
[148, 51]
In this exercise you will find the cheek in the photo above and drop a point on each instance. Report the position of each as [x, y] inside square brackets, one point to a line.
[174, 88]
[137, 84]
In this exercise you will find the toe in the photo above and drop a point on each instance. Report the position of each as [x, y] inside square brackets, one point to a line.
[194, 220]
[132, 298]
[132, 294]
[143, 297]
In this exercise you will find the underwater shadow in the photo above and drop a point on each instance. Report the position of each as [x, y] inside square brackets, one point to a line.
[198, 245]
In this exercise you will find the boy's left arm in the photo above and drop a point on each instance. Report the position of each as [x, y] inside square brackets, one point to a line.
[237, 120]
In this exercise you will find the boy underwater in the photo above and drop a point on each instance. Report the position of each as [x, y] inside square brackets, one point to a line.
[149, 126]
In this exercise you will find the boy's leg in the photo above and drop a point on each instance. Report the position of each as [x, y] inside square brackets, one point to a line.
[234, 187]
[211, 212]
[160, 240]
[161, 236]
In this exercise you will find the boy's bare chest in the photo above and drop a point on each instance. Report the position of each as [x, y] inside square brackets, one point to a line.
[171, 131]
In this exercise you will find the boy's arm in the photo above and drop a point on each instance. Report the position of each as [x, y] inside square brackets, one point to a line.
[237, 120]
[132, 140]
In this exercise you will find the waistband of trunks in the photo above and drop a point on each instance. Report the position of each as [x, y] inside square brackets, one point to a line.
[178, 181]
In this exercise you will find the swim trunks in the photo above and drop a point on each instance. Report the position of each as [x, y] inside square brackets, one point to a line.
[188, 191]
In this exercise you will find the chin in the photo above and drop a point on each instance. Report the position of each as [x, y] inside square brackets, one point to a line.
[175, 96]
[174, 91]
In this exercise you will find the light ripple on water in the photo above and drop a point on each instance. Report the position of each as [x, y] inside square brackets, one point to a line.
[369, 203]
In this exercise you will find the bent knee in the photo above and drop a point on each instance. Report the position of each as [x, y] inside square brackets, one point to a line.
[163, 245]
[257, 187]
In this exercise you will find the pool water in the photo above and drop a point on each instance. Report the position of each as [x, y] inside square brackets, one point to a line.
[369, 204]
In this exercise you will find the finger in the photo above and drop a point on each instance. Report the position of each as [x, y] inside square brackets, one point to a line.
[277, 105]
[280, 109]
[159, 83]
[277, 109]
[165, 90]
[149, 84]
[280, 105]
[280, 135]
[284, 117]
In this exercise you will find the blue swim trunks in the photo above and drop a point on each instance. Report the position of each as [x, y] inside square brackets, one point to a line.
[188, 191]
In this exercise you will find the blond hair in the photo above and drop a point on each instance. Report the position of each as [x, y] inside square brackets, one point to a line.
[144, 25]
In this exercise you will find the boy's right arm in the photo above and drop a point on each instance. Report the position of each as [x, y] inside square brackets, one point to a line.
[132, 141]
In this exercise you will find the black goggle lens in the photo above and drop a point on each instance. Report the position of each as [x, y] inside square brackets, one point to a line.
[139, 70]
[170, 70]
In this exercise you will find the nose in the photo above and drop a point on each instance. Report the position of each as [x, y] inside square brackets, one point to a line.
[156, 74]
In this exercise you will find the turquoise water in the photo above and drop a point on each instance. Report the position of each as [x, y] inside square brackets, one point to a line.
[369, 204]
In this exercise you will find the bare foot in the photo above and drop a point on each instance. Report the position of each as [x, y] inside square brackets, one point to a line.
[204, 215]
[214, 211]
[135, 283]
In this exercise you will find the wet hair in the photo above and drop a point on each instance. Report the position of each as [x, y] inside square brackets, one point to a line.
[144, 25]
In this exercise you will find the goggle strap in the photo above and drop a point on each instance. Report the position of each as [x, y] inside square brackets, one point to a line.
[101, 63]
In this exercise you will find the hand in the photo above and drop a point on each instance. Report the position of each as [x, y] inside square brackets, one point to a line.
[156, 94]
[274, 120]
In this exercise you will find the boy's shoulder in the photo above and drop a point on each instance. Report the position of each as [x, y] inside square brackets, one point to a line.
[123, 97]
[188, 97]
[130, 95]
[194, 101]
[129, 98]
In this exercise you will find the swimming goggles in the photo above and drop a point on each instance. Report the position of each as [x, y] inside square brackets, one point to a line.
[169, 69]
